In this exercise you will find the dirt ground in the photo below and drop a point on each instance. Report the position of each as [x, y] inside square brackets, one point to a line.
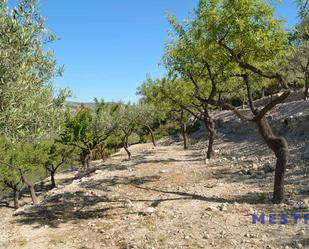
[163, 198]
[166, 197]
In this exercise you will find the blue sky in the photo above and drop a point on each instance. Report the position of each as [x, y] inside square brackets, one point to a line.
[109, 46]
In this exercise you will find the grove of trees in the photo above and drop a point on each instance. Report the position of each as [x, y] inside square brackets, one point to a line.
[227, 50]
[235, 46]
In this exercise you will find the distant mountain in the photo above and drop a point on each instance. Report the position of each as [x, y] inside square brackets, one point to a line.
[91, 105]
[74, 104]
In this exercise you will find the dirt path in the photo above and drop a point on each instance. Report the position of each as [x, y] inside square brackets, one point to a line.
[163, 198]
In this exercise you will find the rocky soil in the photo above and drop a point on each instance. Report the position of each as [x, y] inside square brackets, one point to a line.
[166, 197]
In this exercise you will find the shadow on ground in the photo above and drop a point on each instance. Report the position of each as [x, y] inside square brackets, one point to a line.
[84, 205]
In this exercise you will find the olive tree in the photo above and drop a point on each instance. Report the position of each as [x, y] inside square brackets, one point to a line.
[172, 100]
[17, 161]
[29, 109]
[88, 129]
[301, 31]
[148, 116]
[9, 175]
[56, 156]
[28, 106]
[298, 66]
[125, 124]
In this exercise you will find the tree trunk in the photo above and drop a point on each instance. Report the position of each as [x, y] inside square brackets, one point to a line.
[219, 100]
[52, 178]
[102, 156]
[279, 146]
[125, 146]
[243, 104]
[16, 198]
[115, 148]
[82, 158]
[128, 152]
[183, 128]
[31, 189]
[102, 150]
[210, 126]
[184, 135]
[89, 158]
[152, 136]
[85, 158]
[294, 85]
[306, 90]
[210, 151]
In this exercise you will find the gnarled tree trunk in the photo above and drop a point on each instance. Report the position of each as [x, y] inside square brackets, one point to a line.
[210, 126]
[16, 198]
[85, 158]
[279, 146]
[126, 146]
[152, 136]
[184, 136]
[102, 152]
[128, 152]
[16, 191]
[30, 186]
[183, 128]
[52, 178]
[115, 148]
[306, 89]
[89, 158]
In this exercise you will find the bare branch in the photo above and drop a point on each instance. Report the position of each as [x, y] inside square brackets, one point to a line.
[236, 111]
[254, 69]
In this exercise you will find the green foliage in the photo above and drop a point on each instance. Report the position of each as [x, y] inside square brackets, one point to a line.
[247, 26]
[173, 99]
[167, 96]
[303, 8]
[147, 114]
[125, 120]
[167, 129]
[19, 158]
[298, 67]
[207, 49]
[77, 129]
[88, 129]
[9, 175]
[58, 155]
[28, 107]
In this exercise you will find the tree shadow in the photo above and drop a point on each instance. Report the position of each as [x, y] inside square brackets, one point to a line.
[250, 198]
[116, 180]
[298, 239]
[43, 187]
[142, 159]
[86, 205]
[62, 208]
[6, 204]
[71, 206]
[138, 182]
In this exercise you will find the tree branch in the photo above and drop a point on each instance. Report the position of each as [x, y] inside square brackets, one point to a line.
[236, 111]
[254, 69]
[271, 105]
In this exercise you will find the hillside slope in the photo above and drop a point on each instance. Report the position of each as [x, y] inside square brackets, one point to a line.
[169, 198]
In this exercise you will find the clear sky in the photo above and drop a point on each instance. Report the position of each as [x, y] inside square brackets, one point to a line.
[109, 46]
